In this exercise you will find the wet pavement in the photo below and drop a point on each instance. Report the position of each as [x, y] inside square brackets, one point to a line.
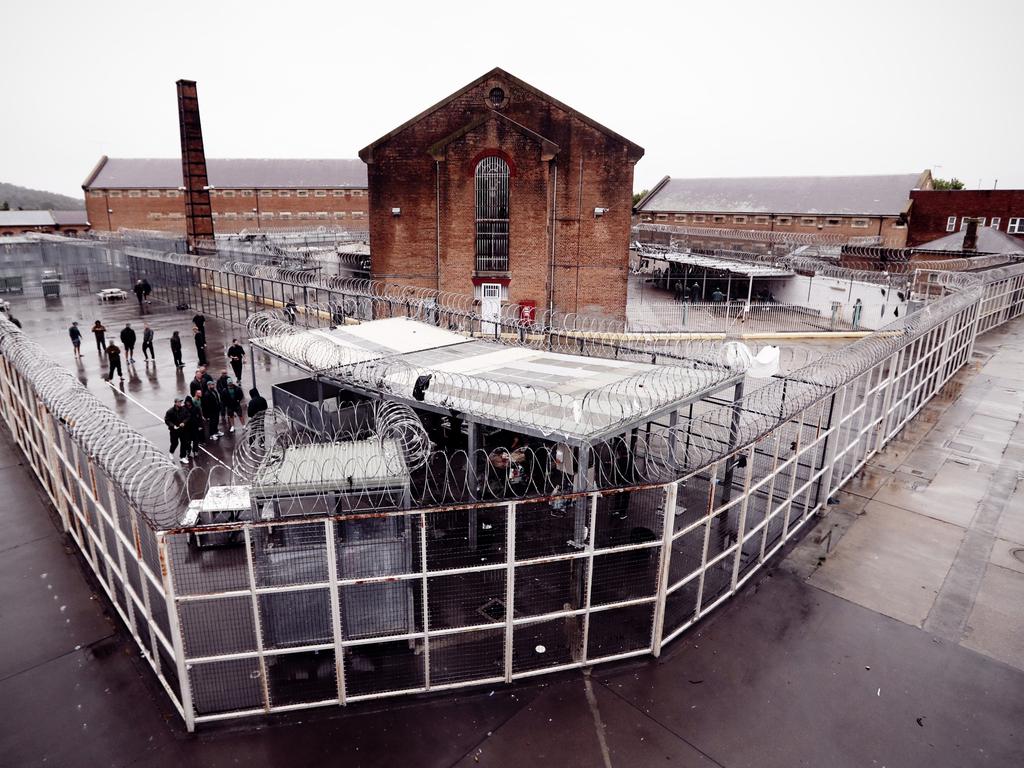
[889, 637]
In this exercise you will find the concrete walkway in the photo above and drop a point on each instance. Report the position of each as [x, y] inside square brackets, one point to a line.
[888, 637]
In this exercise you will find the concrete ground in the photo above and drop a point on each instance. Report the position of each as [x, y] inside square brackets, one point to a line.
[891, 636]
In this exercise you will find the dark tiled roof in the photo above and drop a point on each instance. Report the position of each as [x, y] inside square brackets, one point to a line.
[846, 195]
[70, 218]
[164, 173]
[989, 241]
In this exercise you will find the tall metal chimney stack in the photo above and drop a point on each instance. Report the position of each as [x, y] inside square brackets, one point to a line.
[198, 215]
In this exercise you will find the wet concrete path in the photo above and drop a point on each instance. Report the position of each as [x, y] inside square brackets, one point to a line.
[826, 660]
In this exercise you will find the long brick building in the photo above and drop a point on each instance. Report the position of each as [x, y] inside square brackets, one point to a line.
[137, 193]
[845, 206]
[504, 192]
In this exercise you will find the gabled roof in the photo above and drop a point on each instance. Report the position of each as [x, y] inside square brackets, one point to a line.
[26, 219]
[549, 147]
[366, 152]
[70, 218]
[989, 241]
[248, 173]
[882, 195]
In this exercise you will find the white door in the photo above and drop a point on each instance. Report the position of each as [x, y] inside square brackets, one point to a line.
[490, 307]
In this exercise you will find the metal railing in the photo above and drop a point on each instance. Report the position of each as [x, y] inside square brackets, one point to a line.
[328, 609]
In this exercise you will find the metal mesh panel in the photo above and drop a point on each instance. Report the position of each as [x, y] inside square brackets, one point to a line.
[158, 609]
[687, 554]
[550, 587]
[202, 571]
[289, 554]
[381, 608]
[214, 627]
[681, 605]
[466, 538]
[466, 656]
[381, 667]
[626, 575]
[544, 529]
[296, 617]
[620, 630]
[226, 686]
[692, 500]
[377, 546]
[302, 677]
[546, 643]
[465, 599]
[629, 517]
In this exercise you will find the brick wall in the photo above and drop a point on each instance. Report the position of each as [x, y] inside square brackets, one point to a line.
[932, 209]
[233, 209]
[427, 170]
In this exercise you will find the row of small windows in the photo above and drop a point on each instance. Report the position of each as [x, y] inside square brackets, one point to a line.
[785, 221]
[232, 193]
[1014, 226]
[269, 215]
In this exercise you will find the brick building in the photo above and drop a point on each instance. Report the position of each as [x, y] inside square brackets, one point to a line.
[845, 206]
[937, 213]
[135, 193]
[505, 192]
[59, 222]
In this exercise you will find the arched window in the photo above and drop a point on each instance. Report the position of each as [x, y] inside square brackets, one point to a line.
[491, 179]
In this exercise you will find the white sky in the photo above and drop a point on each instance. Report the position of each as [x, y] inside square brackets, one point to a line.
[709, 89]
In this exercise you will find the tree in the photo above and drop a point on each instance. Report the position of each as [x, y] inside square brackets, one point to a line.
[5, 206]
[953, 183]
[638, 196]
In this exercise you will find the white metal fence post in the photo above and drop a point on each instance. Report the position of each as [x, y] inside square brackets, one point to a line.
[671, 494]
[332, 577]
[184, 684]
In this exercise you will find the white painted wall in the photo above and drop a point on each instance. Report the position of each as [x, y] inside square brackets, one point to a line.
[820, 292]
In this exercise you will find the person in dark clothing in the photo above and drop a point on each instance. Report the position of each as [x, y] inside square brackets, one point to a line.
[222, 383]
[100, 331]
[146, 289]
[199, 321]
[236, 355]
[147, 342]
[232, 401]
[176, 420]
[197, 386]
[175, 350]
[195, 430]
[211, 411]
[76, 339]
[139, 290]
[128, 339]
[200, 338]
[257, 403]
[289, 310]
[11, 318]
[114, 358]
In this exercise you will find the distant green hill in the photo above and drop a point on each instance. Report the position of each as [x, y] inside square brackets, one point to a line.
[36, 200]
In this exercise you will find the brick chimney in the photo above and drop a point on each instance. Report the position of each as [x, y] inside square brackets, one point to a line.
[198, 214]
[971, 235]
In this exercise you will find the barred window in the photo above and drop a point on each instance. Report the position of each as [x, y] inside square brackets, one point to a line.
[492, 214]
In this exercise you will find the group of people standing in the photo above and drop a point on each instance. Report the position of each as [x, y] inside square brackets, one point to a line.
[209, 405]
[129, 339]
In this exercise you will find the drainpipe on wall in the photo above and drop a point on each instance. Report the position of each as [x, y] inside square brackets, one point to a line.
[437, 222]
[554, 210]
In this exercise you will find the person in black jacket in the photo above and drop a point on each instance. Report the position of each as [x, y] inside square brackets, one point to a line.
[257, 403]
[147, 342]
[139, 290]
[175, 350]
[232, 401]
[100, 331]
[236, 355]
[211, 411]
[199, 321]
[76, 339]
[176, 420]
[114, 358]
[195, 431]
[200, 338]
[128, 339]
